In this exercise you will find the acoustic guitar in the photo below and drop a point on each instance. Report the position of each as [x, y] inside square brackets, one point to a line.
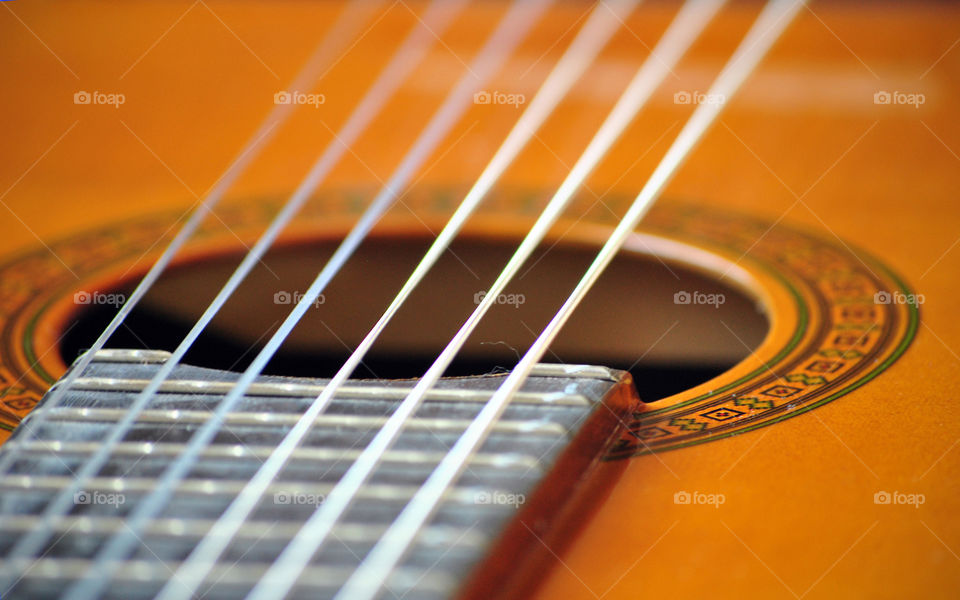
[433, 300]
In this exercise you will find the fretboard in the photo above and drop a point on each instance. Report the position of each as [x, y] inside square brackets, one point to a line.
[525, 444]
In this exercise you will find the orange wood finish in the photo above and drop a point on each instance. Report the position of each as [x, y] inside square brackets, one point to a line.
[804, 143]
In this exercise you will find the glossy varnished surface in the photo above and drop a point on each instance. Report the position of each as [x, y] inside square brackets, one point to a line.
[804, 143]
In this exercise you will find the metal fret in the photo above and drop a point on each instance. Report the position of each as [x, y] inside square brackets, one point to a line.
[192, 529]
[172, 417]
[299, 390]
[225, 574]
[120, 355]
[123, 355]
[239, 451]
[223, 487]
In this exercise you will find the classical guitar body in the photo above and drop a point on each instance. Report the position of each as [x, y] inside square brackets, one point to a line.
[756, 399]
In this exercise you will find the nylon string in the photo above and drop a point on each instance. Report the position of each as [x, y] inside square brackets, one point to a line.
[367, 581]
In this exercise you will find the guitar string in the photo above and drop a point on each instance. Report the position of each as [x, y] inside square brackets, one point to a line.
[437, 17]
[678, 37]
[595, 33]
[511, 30]
[341, 31]
[367, 581]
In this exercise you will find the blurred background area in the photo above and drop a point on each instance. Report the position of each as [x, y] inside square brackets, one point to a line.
[197, 78]
[118, 112]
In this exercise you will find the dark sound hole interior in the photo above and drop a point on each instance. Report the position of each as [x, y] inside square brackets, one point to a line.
[629, 321]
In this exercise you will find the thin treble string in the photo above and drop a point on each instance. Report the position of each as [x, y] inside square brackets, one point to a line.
[679, 36]
[341, 31]
[438, 16]
[598, 29]
[367, 581]
[508, 34]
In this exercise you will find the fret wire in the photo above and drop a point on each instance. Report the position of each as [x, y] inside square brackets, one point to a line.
[160, 356]
[319, 455]
[195, 528]
[438, 16]
[223, 487]
[177, 416]
[140, 571]
[679, 36]
[367, 581]
[338, 34]
[601, 25]
[297, 390]
[512, 29]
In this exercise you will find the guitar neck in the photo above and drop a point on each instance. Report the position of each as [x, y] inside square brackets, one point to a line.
[506, 484]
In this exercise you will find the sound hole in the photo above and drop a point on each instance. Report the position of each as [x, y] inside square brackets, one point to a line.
[636, 318]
